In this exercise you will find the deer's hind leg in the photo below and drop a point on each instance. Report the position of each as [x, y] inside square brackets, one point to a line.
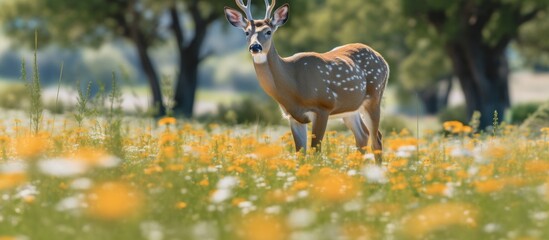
[360, 131]
[372, 116]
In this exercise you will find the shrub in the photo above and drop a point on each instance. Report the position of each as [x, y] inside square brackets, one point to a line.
[520, 112]
[391, 123]
[456, 113]
[248, 110]
[14, 96]
[538, 120]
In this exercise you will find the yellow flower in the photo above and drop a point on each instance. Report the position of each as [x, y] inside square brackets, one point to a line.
[489, 186]
[537, 167]
[334, 187]
[113, 200]
[204, 182]
[359, 231]
[31, 146]
[300, 185]
[435, 189]
[10, 180]
[304, 170]
[181, 205]
[421, 222]
[545, 130]
[268, 151]
[262, 227]
[8, 238]
[167, 121]
[453, 126]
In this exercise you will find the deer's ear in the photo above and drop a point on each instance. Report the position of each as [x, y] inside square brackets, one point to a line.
[281, 15]
[236, 18]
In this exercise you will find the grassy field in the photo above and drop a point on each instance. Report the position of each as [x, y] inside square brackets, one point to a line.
[120, 178]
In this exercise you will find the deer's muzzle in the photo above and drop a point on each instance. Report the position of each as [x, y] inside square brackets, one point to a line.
[256, 48]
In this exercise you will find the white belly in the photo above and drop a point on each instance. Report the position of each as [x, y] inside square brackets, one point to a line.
[345, 114]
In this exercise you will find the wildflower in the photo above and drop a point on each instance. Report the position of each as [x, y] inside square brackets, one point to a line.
[11, 180]
[61, 167]
[262, 227]
[304, 170]
[204, 182]
[95, 157]
[536, 167]
[545, 130]
[268, 151]
[453, 126]
[224, 189]
[489, 186]
[181, 205]
[359, 231]
[300, 185]
[166, 121]
[334, 187]
[436, 189]
[421, 222]
[375, 173]
[220, 195]
[31, 147]
[301, 218]
[113, 200]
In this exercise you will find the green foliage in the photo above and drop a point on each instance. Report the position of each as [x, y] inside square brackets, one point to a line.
[250, 110]
[538, 120]
[82, 107]
[390, 123]
[35, 92]
[520, 112]
[114, 131]
[14, 96]
[457, 113]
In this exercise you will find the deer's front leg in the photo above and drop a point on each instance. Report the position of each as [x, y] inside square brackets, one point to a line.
[299, 132]
[319, 128]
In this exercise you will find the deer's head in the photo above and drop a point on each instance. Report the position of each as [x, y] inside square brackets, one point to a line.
[259, 33]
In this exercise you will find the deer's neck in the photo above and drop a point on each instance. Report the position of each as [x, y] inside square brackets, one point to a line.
[275, 76]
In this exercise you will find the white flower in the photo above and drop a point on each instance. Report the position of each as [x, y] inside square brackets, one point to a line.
[27, 191]
[221, 195]
[227, 182]
[109, 162]
[369, 156]
[70, 203]
[61, 167]
[13, 167]
[301, 218]
[81, 183]
[375, 173]
[461, 152]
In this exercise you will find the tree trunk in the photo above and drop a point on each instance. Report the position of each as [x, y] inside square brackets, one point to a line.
[484, 77]
[189, 58]
[133, 31]
[187, 83]
[152, 77]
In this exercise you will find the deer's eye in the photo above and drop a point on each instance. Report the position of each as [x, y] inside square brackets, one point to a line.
[247, 33]
[269, 33]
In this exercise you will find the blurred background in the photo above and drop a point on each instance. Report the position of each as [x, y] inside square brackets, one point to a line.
[448, 58]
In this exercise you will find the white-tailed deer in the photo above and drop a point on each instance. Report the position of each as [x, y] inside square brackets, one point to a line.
[347, 82]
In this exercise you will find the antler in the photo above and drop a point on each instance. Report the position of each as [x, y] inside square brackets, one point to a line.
[246, 8]
[270, 8]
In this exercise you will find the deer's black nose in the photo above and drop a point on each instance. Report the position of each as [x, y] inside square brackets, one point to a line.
[256, 48]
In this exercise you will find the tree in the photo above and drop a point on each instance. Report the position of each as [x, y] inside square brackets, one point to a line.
[475, 36]
[142, 22]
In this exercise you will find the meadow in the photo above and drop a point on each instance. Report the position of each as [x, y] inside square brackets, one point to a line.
[106, 176]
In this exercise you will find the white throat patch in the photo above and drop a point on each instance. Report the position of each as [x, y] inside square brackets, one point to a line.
[260, 58]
